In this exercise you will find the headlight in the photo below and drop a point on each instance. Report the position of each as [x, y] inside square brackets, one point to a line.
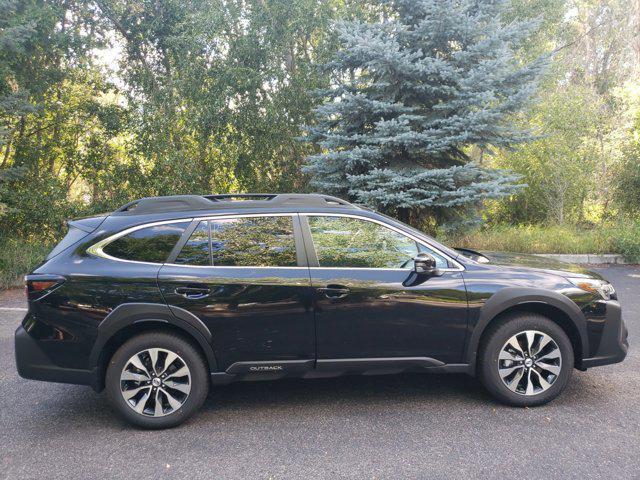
[593, 285]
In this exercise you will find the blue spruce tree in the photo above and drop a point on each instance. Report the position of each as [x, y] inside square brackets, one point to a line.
[411, 94]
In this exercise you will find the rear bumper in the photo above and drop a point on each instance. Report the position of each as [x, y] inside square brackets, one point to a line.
[614, 342]
[34, 364]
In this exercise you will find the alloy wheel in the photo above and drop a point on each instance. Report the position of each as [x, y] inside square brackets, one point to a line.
[529, 362]
[155, 382]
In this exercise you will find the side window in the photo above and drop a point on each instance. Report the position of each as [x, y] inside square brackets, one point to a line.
[150, 244]
[356, 243]
[196, 250]
[242, 242]
[253, 242]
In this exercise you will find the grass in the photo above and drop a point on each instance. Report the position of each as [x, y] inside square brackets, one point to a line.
[622, 238]
[18, 257]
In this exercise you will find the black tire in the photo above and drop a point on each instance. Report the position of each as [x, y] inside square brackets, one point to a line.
[187, 352]
[492, 344]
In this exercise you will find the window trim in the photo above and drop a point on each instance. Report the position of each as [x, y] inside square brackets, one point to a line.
[97, 249]
[305, 249]
[313, 260]
[301, 256]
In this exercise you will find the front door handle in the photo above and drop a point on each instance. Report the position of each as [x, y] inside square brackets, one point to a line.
[193, 292]
[334, 291]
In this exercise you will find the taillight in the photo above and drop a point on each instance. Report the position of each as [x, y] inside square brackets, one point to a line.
[39, 285]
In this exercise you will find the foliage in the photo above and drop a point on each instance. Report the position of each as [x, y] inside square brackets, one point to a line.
[583, 166]
[620, 237]
[208, 96]
[223, 88]
[558, 167]
[627, 241]
[412, 91]
[17, 257]
[103, 101]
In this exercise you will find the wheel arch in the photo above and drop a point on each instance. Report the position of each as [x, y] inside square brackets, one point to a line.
[130, 319]
[552, 305]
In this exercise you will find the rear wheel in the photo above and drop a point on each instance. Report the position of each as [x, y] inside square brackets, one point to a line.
[525, 360]
[157, 380]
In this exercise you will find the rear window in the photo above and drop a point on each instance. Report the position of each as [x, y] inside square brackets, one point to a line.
[196, 250]
[74, 235]
[242, 242]
[150, 244]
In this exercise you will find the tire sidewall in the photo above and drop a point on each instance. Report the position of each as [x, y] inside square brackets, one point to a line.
[176, 344]
[496, 340]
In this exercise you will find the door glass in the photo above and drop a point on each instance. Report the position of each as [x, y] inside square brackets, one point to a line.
[356, 243]
[196, 250]
[253, 242]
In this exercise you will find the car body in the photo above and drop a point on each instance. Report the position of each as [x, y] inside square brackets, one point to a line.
[270, 286]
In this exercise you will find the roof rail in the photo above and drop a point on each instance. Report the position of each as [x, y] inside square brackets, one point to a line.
[180, 203]
[173, 203]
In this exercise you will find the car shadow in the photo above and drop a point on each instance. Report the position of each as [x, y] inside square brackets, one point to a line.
[364, 390]
[305, 398]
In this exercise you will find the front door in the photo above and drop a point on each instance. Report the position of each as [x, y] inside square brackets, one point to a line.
[246, 280]
[363, 309]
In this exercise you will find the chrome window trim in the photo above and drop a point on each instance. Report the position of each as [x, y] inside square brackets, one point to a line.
[97, 248]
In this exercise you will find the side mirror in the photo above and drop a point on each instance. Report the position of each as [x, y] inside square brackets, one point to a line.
[425, 264]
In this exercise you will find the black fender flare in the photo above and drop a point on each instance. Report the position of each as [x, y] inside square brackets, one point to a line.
[513, 296]
[128, 314]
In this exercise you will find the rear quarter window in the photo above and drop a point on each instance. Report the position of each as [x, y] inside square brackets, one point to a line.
[150, 244]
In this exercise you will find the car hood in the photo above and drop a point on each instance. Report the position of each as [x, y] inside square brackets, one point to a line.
[539, 263]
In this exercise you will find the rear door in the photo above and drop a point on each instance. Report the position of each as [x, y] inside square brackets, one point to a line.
[247, 279]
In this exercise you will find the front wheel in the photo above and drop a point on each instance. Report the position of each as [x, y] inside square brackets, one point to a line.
[157, 380]
[525, 360]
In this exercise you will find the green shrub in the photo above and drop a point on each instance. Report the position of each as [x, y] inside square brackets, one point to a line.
[18, 257]
[620, 237]
[627, 242]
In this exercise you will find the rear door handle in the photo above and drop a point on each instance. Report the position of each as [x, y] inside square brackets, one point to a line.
[334, 291]
[193, 292]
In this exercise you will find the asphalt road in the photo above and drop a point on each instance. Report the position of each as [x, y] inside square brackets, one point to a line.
[407, 426]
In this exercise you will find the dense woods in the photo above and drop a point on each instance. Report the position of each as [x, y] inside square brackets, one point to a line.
[488, 112]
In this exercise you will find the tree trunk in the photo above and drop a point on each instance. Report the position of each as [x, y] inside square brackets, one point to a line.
[404, 215]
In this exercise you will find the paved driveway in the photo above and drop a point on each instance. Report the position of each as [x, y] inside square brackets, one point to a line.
[407, 426]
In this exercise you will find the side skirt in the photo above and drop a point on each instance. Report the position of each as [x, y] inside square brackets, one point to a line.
[326, 368]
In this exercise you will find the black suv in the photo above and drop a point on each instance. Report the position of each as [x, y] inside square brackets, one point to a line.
[169, 294]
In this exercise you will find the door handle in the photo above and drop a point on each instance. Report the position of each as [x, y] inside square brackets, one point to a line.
[193, 292]
[334, 291]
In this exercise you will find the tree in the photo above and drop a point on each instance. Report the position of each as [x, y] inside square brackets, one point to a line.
[412, 93]
[48, 109]
[558, 166]
[222, 88]
[582, 165]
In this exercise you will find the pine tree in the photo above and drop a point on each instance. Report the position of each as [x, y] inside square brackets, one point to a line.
[412, 93]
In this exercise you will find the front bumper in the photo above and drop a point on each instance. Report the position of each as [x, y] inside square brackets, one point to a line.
[614, 342]
[34, 364]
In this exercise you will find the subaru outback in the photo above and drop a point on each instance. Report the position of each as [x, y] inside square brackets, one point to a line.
[166, 296]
